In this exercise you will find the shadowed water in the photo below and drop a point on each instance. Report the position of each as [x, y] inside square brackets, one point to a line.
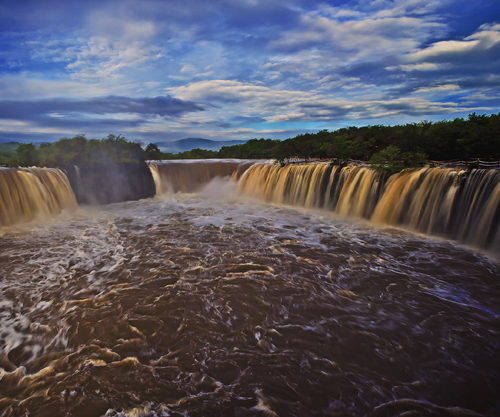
[210, 304]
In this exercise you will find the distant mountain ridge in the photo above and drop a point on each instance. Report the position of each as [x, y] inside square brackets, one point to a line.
[187, 144]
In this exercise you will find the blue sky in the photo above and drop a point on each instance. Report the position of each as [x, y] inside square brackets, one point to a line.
[161, 70]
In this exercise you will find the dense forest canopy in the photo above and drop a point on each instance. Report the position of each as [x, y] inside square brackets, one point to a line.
[74, 151]
[477, 136]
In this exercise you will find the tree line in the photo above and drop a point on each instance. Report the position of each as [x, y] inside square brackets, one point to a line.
[74, 151]
[388, 148]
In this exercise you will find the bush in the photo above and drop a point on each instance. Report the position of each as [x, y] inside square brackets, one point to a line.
[391, 160]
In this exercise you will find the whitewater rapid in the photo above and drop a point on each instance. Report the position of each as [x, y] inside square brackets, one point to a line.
[213, 303]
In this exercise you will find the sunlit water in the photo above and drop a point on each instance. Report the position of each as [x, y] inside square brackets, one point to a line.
[211, 304]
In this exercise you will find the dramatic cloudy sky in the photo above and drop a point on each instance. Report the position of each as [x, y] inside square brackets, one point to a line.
[159, 70]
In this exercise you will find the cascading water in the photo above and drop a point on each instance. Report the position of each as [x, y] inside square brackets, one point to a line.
[207, 303]
[27, 193]
[477, 210]
[189, 176]
[299, 185]
[352, 191]
[435, 201]
[430, 200]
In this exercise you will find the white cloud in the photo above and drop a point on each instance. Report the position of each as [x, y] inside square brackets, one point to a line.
[10, 125]
[24, 127]
[31, 88]
[188, 68]
[346, 13]
[336, 40]
[359, 38]
[438, 89]
[425, 66]
[483, 41]
[232, 91]
[276, 106]
[98, 58]
[404, 7]
[119, 29]
[103, 49]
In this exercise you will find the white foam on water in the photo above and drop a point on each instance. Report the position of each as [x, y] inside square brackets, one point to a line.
[51, 258]
[89, 248]
[13, 327]
[219, 189]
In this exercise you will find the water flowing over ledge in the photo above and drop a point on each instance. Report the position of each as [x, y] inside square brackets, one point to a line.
[28, 193]
[189, 176]
[446, 202]
[213, 304]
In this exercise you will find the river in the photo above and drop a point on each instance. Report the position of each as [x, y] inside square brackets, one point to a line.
[215, 302]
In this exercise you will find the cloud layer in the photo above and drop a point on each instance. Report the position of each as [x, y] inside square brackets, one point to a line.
[236, 69]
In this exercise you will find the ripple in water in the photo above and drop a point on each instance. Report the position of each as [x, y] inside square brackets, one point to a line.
[207, 305]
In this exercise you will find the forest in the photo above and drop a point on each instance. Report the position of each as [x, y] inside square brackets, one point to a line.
[477, 136]
[72, 151]
[387, 148]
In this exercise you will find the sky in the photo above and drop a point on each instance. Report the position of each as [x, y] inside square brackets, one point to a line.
[163, 70]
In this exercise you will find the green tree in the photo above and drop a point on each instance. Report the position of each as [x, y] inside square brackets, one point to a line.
[27, 153]
[152, 152]
[341, 150]
[391, 160]
[387, 161]
[6, 157]
[48, 155]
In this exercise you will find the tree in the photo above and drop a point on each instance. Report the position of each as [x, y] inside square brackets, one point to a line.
[27, 153]
[387, 160]
[391, 160]
[341, 150]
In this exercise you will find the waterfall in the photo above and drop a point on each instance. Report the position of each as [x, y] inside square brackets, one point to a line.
[443, 202]
[28, 193]
[436, 201]
[350, 191]
[446, 202]
[421, 200]
[293, 184]
[188, 176]
[477, 209]
[359, 192]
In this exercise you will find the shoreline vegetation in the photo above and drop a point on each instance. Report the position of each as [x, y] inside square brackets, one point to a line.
[388, 149]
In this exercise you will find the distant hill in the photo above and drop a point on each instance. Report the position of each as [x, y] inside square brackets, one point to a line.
[183, 145]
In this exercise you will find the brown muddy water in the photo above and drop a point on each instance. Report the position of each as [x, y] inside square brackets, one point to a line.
[212, 304]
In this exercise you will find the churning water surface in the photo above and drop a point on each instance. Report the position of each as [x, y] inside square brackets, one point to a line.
[210, 304]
